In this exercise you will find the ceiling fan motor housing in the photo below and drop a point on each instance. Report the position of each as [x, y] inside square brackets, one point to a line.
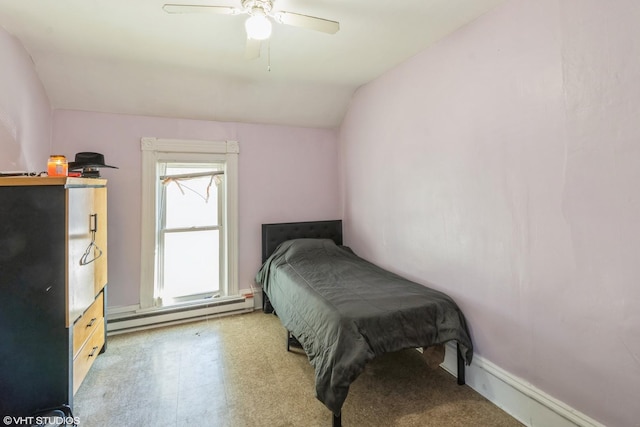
[257, 6]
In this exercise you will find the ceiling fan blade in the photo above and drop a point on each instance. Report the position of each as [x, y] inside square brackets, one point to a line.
[192, 8]
[252, 50]
[310, 22]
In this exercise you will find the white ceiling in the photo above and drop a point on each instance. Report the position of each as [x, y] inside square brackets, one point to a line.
[130, 57]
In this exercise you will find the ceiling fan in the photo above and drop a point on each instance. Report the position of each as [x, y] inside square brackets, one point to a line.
[258, 25]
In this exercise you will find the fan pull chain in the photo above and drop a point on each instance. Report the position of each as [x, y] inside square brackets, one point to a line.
[269, 56]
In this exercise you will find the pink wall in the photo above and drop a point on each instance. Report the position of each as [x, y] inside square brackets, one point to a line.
[285, 174]
[25, 115]
[502, 166]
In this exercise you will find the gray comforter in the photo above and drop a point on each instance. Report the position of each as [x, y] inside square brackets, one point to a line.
[345, 311]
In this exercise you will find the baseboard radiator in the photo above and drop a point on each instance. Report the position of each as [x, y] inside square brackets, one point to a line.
[133, 319]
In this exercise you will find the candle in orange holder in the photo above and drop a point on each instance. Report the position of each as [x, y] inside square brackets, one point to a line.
[57, 165]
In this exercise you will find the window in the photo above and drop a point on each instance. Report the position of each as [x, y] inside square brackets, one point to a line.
[189, 221]
[190, 226]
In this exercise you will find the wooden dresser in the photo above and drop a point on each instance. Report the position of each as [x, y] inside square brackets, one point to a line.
[53, 276]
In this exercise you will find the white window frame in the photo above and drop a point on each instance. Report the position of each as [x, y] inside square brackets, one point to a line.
[162, 231]
[154, 150]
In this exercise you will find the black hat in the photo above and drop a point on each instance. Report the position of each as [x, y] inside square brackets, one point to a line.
[88, 160]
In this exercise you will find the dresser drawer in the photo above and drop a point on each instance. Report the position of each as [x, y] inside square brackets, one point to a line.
[88, 323]
[87, 354]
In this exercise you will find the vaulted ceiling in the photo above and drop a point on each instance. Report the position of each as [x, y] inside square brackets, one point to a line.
[131, 57]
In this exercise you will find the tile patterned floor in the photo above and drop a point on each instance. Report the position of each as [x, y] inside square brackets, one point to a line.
[235, 371]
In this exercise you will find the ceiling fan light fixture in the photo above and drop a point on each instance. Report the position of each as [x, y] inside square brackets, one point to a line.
[258, 27]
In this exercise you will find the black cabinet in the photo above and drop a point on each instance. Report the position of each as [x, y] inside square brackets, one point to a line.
[46, 289]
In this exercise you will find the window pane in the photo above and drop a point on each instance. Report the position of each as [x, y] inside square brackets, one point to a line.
[191, 202]
[191, 263]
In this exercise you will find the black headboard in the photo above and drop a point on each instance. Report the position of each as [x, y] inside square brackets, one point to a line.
[274, 234]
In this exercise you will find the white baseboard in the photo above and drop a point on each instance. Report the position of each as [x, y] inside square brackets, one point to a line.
[518, 398]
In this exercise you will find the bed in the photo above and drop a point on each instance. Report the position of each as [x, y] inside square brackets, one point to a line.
[345, 311]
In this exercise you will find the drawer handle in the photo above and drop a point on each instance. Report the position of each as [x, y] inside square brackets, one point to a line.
[91, 322]
[93, 351]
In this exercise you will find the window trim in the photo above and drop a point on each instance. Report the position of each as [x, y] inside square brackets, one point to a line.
[152, 150]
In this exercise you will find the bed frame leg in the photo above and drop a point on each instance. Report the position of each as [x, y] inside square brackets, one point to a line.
[337, 420]
[292, 341]
[461, 379]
